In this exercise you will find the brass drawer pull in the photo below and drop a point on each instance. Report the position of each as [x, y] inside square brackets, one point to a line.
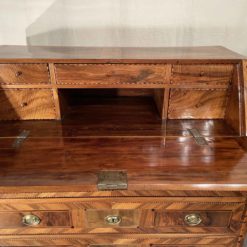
[31, 220]
[18, 73]
[192, 219]
[113, 219]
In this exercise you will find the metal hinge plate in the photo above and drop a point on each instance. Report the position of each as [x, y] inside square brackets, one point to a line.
[200, 140]
[20, 138]
[112, 180]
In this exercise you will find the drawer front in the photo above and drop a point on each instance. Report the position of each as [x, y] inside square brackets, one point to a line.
[113, 74]
[24, 74]
[25, 104]
[43, 219]
[123, 241]
[207, 74]
[92, 216]
[197, 104]
[163, 218]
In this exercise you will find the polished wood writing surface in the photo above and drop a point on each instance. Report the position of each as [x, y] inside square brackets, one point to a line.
[219, 166]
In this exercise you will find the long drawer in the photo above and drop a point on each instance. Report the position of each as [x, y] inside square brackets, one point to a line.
[103, 75]
[24, 74]
[133, 215]
[122, 241]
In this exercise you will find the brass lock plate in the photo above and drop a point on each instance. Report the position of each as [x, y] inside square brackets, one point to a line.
[112, 180]
[199, 139]
[109, 218]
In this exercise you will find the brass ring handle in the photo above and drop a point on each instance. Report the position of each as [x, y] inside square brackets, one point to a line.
[192, 219]
[31, 220]
[18, 73]
[113, 219]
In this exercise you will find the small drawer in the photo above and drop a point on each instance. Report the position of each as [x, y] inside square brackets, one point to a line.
[24, 74]
[25, 104]
[204, 74]
[197, 104]
[113, 75]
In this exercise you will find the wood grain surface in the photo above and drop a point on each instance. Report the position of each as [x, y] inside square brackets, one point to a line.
[24, 74]
[115, 54]
[197, 104]
[114, 75]
[167, 240]
[205, 74]
[173, 167]
[26, 104]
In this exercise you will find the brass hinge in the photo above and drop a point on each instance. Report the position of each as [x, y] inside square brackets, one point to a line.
[200, 139]
[20, 138]
[112, 180]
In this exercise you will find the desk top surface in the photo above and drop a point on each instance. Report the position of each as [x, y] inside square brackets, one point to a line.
[117, 53]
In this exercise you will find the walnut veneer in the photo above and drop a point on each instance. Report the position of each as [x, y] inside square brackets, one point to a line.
[88, 110]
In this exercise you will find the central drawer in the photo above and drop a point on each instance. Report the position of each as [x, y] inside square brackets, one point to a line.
[146, 75]
[116, 215]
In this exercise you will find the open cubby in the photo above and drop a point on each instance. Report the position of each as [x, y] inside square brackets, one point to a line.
[133, 112]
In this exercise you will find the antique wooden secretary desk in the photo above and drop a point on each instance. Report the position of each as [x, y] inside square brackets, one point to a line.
[122, 147]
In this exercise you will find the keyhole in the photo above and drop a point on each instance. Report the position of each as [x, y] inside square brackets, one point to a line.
[18, 73]
[23, 104]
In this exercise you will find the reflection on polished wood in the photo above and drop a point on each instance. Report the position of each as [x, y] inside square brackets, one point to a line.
[166, 163]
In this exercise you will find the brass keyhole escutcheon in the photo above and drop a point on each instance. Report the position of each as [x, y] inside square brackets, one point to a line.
[113, 219]
[193, 219]
[18, 73]
[31, 220]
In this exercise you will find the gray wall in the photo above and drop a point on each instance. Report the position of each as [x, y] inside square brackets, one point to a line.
[125, 23]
